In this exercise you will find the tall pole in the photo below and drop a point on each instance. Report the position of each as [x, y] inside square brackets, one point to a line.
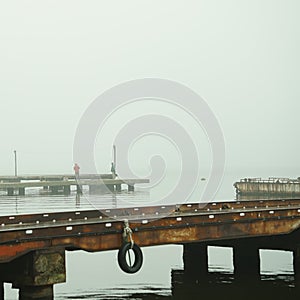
[16, 168]
[115, 156]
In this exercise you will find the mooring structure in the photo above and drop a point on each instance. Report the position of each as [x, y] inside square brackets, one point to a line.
[32, 247]
[55, 184]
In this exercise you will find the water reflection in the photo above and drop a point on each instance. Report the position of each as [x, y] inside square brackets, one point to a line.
[216, 285]
[34, 202]
[225, 286]
[265, 196]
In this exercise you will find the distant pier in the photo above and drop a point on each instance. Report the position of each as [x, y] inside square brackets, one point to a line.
[16, 185]
[270, 186]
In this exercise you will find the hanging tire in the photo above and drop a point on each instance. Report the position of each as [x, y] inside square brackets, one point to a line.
[124, 252]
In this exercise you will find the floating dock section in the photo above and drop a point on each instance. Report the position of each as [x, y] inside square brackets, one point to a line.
[272, 185]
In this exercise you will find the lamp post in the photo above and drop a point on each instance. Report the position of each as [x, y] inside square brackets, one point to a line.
[16, 168]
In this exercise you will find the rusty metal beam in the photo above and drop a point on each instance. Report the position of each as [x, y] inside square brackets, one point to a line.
[184, 224]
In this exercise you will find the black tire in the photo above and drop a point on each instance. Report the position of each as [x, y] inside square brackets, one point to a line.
[138, 258]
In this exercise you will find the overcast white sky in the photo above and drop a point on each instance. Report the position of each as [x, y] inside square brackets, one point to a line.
[241, 56]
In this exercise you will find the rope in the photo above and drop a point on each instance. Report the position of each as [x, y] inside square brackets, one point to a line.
[127, 233]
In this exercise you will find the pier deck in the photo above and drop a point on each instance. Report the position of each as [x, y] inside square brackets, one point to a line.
[64, 182]
[95, 231]
[27, 242]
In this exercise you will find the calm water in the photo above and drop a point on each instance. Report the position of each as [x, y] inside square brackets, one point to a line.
[97, 275]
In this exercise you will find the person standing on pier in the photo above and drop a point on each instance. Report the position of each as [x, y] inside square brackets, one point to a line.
[76, 169]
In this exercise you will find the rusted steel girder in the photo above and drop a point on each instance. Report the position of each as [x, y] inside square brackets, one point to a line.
[93, 231]
[161, 211]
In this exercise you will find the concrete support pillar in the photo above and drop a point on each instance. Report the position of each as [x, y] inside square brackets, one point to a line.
[130, 188]
[195, 259]
[246, 261]
[10, 191]
[118, 187]
[296, 265]
[67, 189]
[111, 187]
[35, 273]
[54, 190]
[21, 191]
[1, 289]
[36, 292]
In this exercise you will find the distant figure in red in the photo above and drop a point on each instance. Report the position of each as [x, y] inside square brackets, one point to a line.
[76, 169]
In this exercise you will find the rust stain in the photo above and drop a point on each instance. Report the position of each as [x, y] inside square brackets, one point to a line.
[92, 231]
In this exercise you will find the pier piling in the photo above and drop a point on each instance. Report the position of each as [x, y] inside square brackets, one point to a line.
[36, 292]
[10, 191]
[296, 265]
[21, 191]
[130, 188]
[35, 273]
[195, 259]
[246, 261]
[1, 289]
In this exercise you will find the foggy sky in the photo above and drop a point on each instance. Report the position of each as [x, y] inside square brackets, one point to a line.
[241, 56]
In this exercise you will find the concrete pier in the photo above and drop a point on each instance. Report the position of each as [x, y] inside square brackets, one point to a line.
[35, 273]
[62, 184]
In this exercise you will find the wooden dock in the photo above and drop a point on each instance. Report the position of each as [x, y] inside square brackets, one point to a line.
[62, 183]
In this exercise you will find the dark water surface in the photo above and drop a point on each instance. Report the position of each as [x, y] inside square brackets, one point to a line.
[97, 275]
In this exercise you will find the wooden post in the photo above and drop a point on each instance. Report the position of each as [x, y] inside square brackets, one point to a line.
[118, 187]
[115, 157]
[16, 167]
